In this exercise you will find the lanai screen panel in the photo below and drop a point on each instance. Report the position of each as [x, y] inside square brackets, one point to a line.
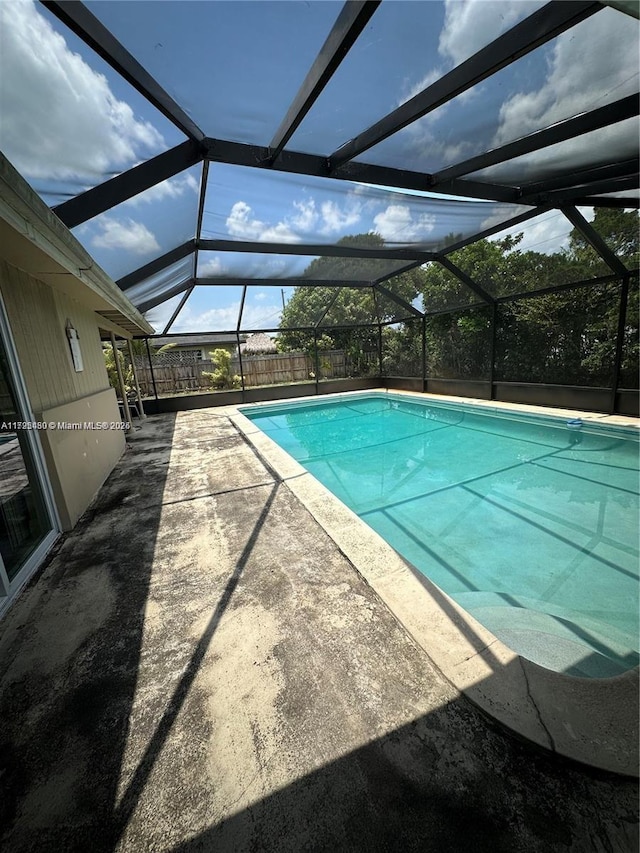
[166, 282]
[209, 308]
[244, 63]
[588, 66]
[144, 227]
[405, 46]
[269, 206]
[270, 307]
[616, 143]
[69, 122]
[544, 257]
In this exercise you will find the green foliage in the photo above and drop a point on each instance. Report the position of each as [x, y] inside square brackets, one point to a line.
[221, 378]
[112, 372]
[568, 337]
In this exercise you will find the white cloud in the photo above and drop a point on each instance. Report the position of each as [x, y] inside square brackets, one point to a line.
[591, 64]
[307, 215]
[226, 317]
[397, 224]
[125, 234]
[242, 224]
[335, 218]
[171, 188]
[470, 25]
[213, 266]
[60, 118]
[545, 234]
[261, 295]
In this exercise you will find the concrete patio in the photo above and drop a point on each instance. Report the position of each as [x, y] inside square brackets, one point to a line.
[199, 667]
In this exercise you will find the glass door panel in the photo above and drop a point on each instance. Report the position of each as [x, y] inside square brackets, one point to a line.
[24, 519]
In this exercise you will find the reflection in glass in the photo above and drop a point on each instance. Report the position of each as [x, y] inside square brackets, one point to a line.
[23, 517]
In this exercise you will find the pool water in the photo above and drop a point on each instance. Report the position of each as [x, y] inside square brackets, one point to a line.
[530, 523]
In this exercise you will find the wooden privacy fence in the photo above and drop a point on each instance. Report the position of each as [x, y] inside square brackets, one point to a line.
[268, 369]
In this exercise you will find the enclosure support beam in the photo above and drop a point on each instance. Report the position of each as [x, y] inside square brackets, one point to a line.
[88, 204]
[353, 18]
[540, 27]
[465, 279]
[153, 377]
[424, 352]
[177, 311]
[240, 362]
[320, 249]
[316, 359]
[560, 132]
[156, 265]
[494, 323]
[121, 386]
[143, 307]
[595, 240]
[583, 178]
[398, 300]
[84, 24]
[558, 198]
[201, 202]
[338, 290]
[135, 379]
[622, 321]
[313, 165]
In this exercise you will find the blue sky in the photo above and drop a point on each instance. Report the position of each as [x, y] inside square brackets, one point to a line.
[69, 122]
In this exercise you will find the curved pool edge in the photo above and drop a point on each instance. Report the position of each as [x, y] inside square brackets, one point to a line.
[592, 721]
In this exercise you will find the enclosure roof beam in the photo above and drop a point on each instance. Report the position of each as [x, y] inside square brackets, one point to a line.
[397, 299]
[559, 288]
[313, 165]
[334, 296]
[581, 178]
[211, 281]
[556, 198]
[540, 27]
[320, 249]
[595, 240]
[599, 201]
[559, 132]
[148, 304]
[495, 229]
[84, 24]
[466, 279]
[353, 18]
[181, 305]
[88, 204]
[157, 265]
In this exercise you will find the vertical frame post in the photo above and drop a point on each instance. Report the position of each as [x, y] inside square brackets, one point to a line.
[617, 363]
[123, 390]
[494, 324]
[424, 352]
[153, 378]
[135, 379]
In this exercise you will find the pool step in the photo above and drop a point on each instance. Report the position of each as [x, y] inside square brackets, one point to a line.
[557, 639]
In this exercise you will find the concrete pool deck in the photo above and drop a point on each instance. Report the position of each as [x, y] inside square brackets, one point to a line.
[200, 667]
[592, 720]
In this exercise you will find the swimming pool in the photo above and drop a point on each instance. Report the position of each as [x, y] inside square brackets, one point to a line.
[530, 523]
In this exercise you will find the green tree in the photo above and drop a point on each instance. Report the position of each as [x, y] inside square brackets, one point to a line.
[112, 372]
[221, 378]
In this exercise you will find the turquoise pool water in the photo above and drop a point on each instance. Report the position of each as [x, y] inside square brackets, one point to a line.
[530, 523]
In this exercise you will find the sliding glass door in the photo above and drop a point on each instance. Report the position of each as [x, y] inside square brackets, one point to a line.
[27, 517]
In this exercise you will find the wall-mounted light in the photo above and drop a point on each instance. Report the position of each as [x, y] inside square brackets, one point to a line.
[74, 344]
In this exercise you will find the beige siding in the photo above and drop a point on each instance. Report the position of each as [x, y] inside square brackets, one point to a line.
[38, 316]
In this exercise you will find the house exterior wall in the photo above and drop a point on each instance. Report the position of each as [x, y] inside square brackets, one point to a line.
[78, 461]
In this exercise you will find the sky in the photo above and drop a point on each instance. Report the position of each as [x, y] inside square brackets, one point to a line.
[69, 122]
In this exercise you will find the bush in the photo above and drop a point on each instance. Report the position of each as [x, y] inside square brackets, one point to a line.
[221, 378]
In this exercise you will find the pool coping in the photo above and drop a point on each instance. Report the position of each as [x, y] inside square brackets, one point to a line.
[593, 721]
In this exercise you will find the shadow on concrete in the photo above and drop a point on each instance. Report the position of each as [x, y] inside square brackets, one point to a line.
[122, 813]
[447, 782]
[70, 666]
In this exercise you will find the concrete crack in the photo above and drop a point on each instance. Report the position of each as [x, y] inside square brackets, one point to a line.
[552, 744]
